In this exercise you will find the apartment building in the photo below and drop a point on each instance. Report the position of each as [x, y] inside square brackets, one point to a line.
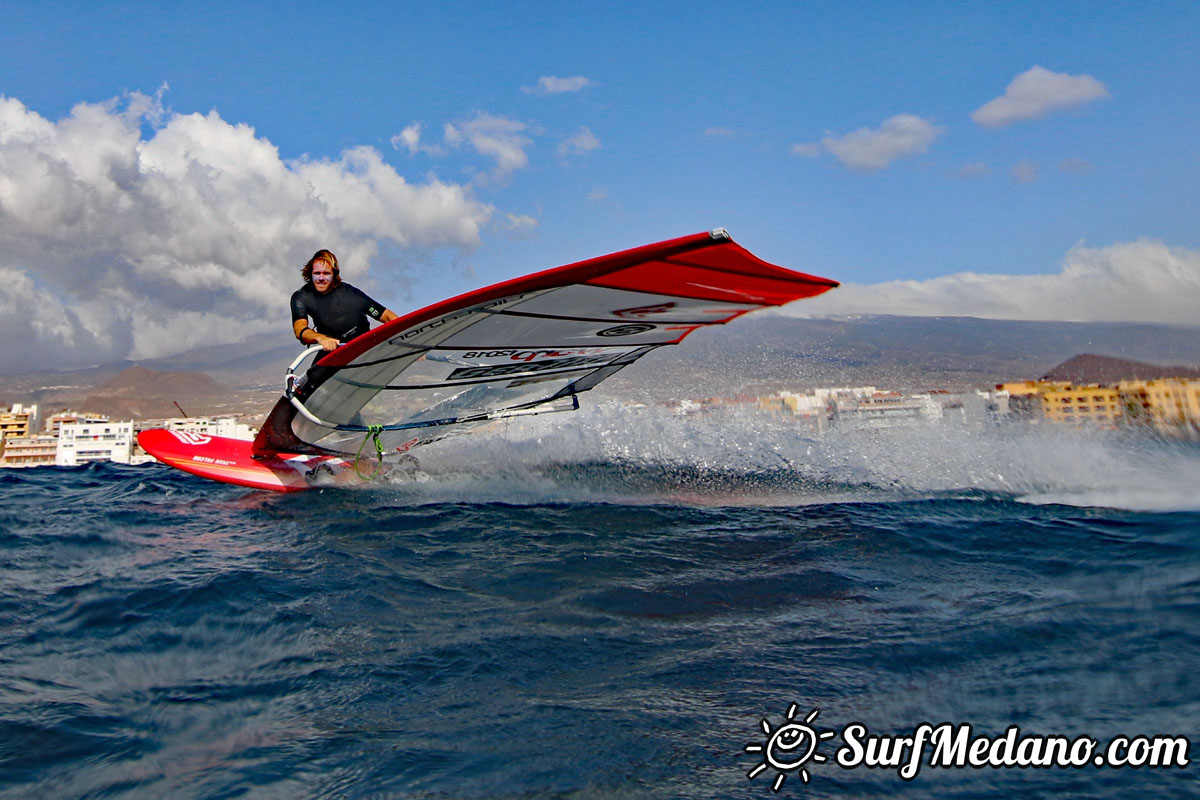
[38, 450]
[20, 420]
[82, 442]
[1169, 405]
[1083, 405]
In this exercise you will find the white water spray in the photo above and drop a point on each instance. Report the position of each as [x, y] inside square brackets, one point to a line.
[740, 455]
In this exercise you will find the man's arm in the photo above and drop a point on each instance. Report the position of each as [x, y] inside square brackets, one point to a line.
[307, 335]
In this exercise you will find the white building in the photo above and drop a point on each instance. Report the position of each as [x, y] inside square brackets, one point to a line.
[79, 438]
[81, 442]
[886, 410]
[817, 408]
[227, 427]
[974, 407]
[56, 421]
[997, 403]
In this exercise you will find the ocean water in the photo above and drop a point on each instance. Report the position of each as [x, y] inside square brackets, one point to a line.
[612, 604]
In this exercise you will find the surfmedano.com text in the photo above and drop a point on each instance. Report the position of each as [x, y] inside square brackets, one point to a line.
[954, 747]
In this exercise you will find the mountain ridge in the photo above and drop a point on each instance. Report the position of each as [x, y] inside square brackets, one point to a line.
[758, 354]
[1089, 368]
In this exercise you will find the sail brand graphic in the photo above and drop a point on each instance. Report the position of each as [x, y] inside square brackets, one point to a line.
[187, 437]
[517, 369]
[792, 745]
[530, 355]
[626, 330]
[404, 448]
[448, 318]
[643, 311]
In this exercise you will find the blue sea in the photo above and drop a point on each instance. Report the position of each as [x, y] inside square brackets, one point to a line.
[622, 604]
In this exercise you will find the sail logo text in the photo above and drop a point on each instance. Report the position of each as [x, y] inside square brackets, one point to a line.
[499, 370]
[530, 355]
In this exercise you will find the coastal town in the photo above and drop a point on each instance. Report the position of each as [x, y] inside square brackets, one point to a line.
[1165, 406]
[69, 438]
[1168, 406]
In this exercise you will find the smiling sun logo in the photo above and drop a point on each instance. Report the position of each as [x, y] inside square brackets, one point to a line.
[789, 747]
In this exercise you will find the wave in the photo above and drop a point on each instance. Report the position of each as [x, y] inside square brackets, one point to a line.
[743, 457]
[740, 456]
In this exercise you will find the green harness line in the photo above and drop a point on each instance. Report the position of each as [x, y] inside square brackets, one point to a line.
[373, 432]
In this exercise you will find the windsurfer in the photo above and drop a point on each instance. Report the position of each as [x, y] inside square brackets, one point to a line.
[338, 310]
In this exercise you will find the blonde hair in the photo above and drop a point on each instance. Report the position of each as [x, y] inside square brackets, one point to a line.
[329, 258]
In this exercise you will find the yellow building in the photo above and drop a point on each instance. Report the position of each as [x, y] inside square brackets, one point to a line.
[29, 451]
[18, 421]
[1169, 404]
[1025, 397]
[1019, 388]
[1083, 405]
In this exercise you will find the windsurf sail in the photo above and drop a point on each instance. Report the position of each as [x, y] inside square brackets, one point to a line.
[527, 345]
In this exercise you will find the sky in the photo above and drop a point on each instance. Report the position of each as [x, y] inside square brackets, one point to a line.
[165, 171]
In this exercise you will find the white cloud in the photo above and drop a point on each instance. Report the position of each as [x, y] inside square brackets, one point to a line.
[410, 140]
[1140, 281]
[410, 137]
[550, 84]
[140, 107]
[518, 221]
[1025, 172]
[499, 138]
[113, 245]
[520, 225]
[583, 141]
[867, 150]
[1036, 93]
[39, 326]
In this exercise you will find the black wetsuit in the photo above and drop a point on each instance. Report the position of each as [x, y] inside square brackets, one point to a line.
[341, 312]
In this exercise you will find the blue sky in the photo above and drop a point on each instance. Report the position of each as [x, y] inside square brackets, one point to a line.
[441, 146]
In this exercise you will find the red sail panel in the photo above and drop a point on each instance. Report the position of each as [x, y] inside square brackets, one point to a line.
[684, 280]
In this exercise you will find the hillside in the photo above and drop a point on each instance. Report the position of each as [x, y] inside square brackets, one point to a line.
[140, 392]
[1089, 368]
[136, 392]
[765, 351]
[758, 354]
